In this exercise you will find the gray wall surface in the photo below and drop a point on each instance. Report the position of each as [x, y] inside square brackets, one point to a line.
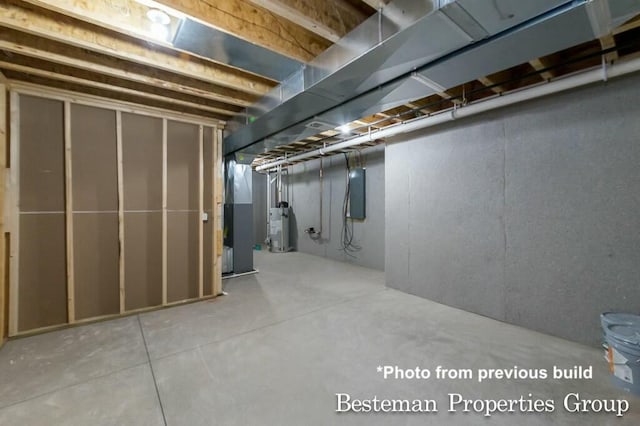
[304, 196]
[528, 214]
[259, 207]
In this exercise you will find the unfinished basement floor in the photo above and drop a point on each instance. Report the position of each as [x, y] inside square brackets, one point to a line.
[277, 349]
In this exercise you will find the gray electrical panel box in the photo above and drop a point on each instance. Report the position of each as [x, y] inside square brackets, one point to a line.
[357, 194]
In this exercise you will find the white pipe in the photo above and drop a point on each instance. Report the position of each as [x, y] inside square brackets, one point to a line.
[543, 89]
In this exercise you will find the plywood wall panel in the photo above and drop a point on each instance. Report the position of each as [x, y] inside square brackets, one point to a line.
[182, 260]
[93, 147]
[182, 166]
[142, 162]
[41, 155]
[143, 260]
[42, 269]
[95, 245]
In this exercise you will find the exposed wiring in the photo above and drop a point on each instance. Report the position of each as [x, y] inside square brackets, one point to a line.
[346, 235]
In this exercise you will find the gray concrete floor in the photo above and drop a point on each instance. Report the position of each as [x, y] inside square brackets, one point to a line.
[277, 349]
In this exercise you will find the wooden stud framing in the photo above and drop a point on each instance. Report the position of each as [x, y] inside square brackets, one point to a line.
[100, 102]
[68, 186]
[12, 212]
[217, 212]
[214, 212]
[164, 213]
[120, 211]
[200, 211]
[3, 168]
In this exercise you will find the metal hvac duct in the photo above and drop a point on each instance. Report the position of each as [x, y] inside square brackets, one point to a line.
[416, 49]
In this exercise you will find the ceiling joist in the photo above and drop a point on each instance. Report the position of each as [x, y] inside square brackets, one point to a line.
[50, 26]
[93, 80]
[255, 25]
[329, 19]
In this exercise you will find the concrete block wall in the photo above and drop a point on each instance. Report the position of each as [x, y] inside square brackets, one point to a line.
[528, 214]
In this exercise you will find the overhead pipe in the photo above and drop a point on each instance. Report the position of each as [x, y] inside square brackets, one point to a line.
[571, 82]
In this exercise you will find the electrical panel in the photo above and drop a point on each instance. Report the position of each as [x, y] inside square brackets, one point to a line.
[357, 194]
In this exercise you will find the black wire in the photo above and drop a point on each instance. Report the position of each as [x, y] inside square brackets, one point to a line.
[346, 235]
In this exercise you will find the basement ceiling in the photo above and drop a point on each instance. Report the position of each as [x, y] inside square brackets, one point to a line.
[113, 49]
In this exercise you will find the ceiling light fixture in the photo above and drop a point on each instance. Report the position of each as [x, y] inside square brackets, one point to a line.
[160, 23]
[158, 16]
[344, 129]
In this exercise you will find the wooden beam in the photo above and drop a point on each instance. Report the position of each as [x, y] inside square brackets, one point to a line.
[49, 25]
[92, 80]
[376, 4]
[631, 24]
[228, 104]
[609, 42]
[121, 253]
[491, 83]
[540, 64]
[18, 48]
[420, 108]
[254, 24]
[123, 16]
[330, 19]
[71, 310]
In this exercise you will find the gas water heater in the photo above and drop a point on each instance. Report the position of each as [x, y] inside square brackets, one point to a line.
[279, 228]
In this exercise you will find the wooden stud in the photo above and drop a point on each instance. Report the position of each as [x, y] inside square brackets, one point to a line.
[68, 173]
[120, 211]
[217, 212]
[214, 213]
[164, 213]
[12, 212]
[3, 168]
[201, 211]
